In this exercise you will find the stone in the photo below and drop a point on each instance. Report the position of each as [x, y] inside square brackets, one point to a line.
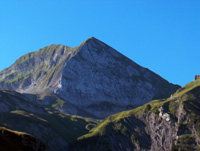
[93, 77]
[196, 77]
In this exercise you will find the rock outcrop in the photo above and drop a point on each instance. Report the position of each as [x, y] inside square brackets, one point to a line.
[92, 76]
[167, 124]
[196, 77]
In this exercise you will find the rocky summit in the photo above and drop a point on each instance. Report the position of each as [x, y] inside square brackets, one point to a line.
[92, 78]
[44, 91]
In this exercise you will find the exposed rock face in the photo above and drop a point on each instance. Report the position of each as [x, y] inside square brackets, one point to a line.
[148, 133]
[98, 73]
[36, 72]
[93, 77]
[169, 125]
[18, 141]
[196, 77]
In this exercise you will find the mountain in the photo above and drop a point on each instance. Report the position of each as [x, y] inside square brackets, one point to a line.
[92, 78]
[19, 141]
[39, 118]
[171, 124]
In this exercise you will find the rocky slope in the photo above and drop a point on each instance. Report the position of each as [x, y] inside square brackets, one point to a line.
[19, 141]
[166, 124]
[41, 118]
[92, 76]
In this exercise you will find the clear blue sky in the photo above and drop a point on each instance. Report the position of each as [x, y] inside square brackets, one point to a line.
[162, 35]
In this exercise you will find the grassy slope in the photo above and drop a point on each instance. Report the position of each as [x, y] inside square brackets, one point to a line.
[68, 127]
[188, 96]
[41, 125]
[13, 78]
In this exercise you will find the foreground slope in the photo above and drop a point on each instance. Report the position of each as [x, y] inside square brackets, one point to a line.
[92, 76]
[41, 119]
[166, 124]
[19, 141]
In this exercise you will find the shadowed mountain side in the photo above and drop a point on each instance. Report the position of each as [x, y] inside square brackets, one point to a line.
[41, 119]
[166, 124]
[19, 141]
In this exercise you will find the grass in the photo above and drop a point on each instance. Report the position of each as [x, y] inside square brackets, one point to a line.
[15, 132]
[187, 88]
[11, 77]
[24, 117]
[44, 52]
[185, 96]
[58, 103]
[15, 140]
[67, 127]
[186, 142]
[27, 114]
[42, 70]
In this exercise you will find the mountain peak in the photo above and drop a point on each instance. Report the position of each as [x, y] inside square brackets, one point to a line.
[95, 40]
[92, 76]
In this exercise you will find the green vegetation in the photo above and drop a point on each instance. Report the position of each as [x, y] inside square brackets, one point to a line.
[72, 127]
[15, 140]
[187, 88]
[11, 77]
[68, 127]
[75, 49]
[42, 52]
[15, 132]
[118, 119]
[186, 142]
[44, 69]
[42, 65]
[58, 103]
[5, 70]
[46, 52]
[45, 124]
[186, 98]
